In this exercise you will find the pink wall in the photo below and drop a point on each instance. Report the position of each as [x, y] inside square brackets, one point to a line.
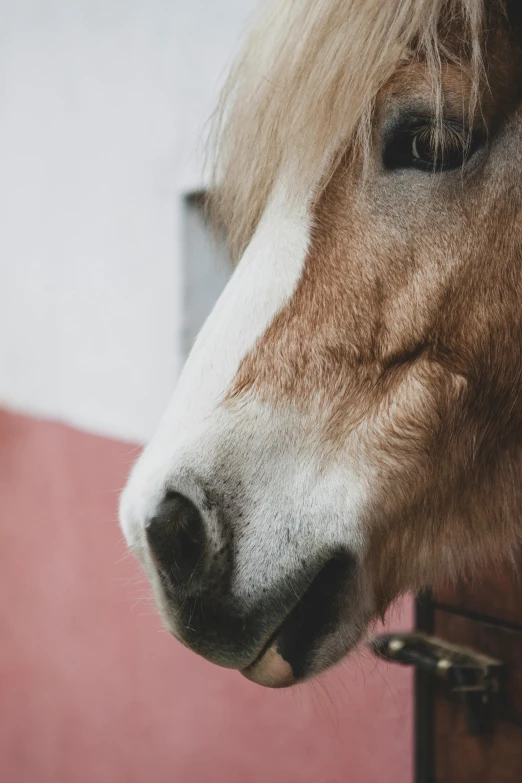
[92, 690]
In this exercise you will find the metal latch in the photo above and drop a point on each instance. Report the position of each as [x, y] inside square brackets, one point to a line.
[476, 678]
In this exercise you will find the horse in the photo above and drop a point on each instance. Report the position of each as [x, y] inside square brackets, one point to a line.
[347, 427]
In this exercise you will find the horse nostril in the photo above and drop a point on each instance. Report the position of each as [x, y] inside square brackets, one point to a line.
[177, 538]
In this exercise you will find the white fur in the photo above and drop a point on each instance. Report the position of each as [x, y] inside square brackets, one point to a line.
[268, 462]
[264, 281]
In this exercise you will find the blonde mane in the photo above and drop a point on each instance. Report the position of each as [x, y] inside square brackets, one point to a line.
[304, 86]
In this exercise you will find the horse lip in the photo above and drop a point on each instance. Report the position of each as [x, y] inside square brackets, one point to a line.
[269, 648]
[269, 642]
[281, 662]
[271, 639]
[269, 651]
[270, 669]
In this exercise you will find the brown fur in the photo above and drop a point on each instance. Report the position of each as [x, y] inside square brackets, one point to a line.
[403, 339]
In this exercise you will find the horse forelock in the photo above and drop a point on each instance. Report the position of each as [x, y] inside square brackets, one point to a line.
[304, 88]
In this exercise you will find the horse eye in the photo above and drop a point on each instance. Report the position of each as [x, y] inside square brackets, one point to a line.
[415, 147]
[422, 150]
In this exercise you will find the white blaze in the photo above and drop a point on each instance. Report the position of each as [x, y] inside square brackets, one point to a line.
[263, 283]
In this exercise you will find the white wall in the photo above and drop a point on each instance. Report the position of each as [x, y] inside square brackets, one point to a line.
[102, 109]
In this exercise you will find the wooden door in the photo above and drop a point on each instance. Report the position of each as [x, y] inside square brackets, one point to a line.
[485, 616]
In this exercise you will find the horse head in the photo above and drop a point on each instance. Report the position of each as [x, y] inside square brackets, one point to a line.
[347, 426]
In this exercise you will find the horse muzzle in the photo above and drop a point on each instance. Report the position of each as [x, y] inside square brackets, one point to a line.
[273, 638]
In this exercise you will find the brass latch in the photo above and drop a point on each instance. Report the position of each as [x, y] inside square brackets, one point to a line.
[476, 678]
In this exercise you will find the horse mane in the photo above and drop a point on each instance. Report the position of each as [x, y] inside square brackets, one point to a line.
[303, 90]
